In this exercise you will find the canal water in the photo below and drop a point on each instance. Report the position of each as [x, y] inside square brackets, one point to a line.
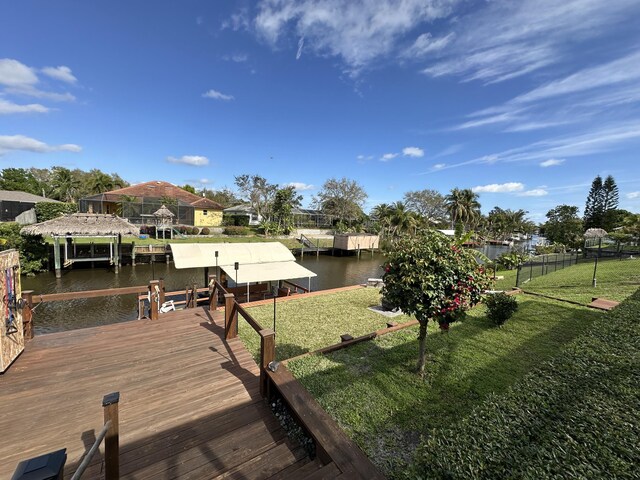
[71, 314]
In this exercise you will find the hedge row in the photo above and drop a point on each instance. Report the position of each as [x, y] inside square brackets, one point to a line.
[576, 416]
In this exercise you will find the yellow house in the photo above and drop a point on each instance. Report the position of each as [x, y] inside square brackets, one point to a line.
[206, 213]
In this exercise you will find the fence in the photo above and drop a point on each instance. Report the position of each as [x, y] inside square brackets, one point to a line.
[546, 264]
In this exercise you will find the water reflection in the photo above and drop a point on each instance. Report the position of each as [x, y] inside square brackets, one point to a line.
[81, 313]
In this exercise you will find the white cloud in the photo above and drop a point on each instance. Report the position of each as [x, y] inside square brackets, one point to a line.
[299, 186]
[16, 74]
[499, 188]
[300, 46]
[536, 192]
[505, 40]
[439, 166]
[199, 20]
[236, 57]
[194, 160]
[31, 91]
[552, 162]
[7, 107]
[413, 152]
[357, 31]
[237, 21]
[388, 156]
[20, 142]
[426, 44]
[216, 95]
[633, 195]
[61, 73]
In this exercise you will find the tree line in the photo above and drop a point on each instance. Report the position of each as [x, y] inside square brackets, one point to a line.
[60, 183]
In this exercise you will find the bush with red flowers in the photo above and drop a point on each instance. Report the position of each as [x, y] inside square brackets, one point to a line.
[431, 277]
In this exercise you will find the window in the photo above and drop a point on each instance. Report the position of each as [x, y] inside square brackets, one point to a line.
[204, 212]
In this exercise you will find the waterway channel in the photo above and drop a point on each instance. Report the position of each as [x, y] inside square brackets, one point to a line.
[72, 314]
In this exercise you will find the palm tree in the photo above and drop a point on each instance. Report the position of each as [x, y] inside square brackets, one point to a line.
[65, 184]
[463, 206]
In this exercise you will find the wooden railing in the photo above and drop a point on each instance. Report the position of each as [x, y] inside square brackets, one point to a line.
[267, 337]
[296, 287]
[110, 434]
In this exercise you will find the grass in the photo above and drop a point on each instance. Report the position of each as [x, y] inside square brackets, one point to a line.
[616, 280]
[307, 324]
[373, 392]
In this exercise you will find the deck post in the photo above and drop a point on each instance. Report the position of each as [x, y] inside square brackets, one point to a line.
[133, 254]
[213, 293]
[153, 299]
[230, 316]
[27, 315]
[162, 290]
[267, 355]
[56, 256]
[111, 440]
[194, 295]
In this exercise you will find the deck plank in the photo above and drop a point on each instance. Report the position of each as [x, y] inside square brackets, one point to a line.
[190, 402]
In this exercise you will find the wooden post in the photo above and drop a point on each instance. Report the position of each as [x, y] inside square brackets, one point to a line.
[56, 256]
[230, 316]
[213, 293]
[111, 440]
[27, 315]
[206, 275]
[267, 355]
[133, 254]
[162, 290]
[194, 295]
[153, 301]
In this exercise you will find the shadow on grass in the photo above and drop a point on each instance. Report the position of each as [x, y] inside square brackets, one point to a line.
[374, 393]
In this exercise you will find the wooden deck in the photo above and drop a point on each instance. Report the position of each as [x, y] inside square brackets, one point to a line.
[190, 405]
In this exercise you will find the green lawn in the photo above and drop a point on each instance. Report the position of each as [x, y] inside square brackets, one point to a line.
[307, 324]
[616, 280]
[373, 392]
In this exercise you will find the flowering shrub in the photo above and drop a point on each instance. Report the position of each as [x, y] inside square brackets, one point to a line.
[431, 277]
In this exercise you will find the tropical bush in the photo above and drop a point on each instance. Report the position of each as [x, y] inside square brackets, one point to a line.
[510, 260]
[33, 250]
[48, 210]
[235, 220]
[500, 307]
[575, 416]
[236, 231]
[194, 231]
[205, 231]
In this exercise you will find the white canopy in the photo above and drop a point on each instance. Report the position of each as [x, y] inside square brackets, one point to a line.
[257, 262]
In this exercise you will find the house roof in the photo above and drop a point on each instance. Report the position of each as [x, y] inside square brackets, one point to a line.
[159, 189]
[83, 224]
[163, 211]
[244, 208]
[17, 196]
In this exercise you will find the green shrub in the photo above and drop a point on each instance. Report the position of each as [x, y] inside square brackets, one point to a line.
[500, 307]
[510, 260]
[232, 230]
[194, 231]
[205, 231]
[235, 220]
[48, 210]
[575, 416]
[33, 250]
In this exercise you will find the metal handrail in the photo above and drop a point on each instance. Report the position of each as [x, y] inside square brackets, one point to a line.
[89, 456]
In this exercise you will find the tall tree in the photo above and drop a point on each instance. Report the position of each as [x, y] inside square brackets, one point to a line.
[286, 199]
[99, 182]
[610, 198]
[257, 191]
[343, 198]
[463, 206]
[594, 207]
[189, 188]
[19, 179]
[225, 196]
[564, 226]
[66, 186]
[429, 204]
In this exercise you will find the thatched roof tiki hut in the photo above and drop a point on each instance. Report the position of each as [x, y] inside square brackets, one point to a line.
[164, 220]
[84, 225]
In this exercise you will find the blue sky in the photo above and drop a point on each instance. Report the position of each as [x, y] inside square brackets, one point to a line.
[525, 102]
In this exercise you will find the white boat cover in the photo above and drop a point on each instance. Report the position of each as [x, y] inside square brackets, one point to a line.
[257, 262]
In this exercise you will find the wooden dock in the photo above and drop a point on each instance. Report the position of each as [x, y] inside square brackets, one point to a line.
[190, 404]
